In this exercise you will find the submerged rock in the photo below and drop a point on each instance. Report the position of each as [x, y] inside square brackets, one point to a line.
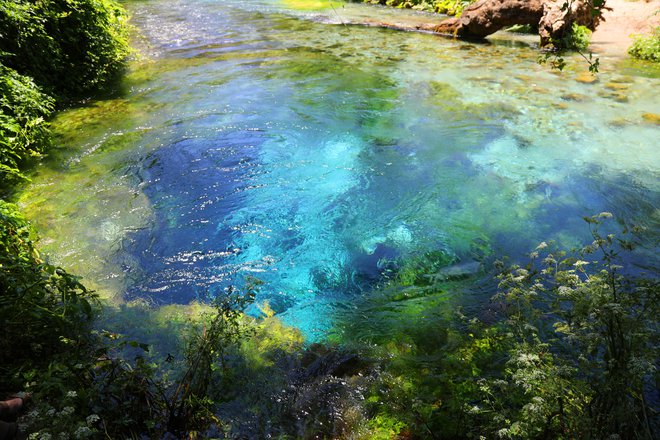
[457, 271]
[322, 361]
[616, 86]
[652, 118]
[586, 78]
[576, 97]
[618, 122]
[617, 96]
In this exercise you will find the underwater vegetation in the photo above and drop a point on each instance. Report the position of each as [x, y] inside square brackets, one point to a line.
[376, 207]
[566, 347]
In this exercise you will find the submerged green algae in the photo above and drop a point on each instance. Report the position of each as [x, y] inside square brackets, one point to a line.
[353, 142]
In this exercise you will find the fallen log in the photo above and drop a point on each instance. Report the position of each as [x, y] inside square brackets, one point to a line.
[554, 18]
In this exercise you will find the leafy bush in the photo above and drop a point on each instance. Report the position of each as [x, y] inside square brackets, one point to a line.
[574, 355]
[452, 7]
[95, 389]
[44, 309]
[24, 132]
[647, 47]
[69, 47]
[449, 7]
[583, 345]
[577, 39]
[585, 342]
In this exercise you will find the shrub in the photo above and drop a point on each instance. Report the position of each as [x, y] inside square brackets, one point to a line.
[577, 39]
[24, 132]
[69, 47]
[585, 342]
[646, 47]
[449, 7]
[43, 309]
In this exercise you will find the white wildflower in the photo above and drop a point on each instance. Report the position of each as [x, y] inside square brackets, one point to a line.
[67, 411]
[72, 394]
[543, 245]
[92, 419]
[83, 432]
[564, 290]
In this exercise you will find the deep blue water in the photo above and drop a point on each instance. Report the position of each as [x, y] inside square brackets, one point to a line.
[256, 140]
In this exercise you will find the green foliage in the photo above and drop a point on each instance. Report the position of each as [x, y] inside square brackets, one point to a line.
[646, 47]
[449, 7]
[190, 407]
[69, 47]
[93, 389]
[44, 309]
[87, 393]
[574, 356]
[577, 39]
[452, 7]
[584, 342]
[24, 132]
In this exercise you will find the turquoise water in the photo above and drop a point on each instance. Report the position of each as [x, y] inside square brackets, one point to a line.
[257, 139]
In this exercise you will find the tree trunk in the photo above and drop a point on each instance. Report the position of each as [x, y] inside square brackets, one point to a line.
[554, 18]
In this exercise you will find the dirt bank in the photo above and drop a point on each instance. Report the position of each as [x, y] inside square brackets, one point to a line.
[624, 20]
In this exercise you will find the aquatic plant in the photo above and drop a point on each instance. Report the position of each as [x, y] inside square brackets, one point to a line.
[189, 406]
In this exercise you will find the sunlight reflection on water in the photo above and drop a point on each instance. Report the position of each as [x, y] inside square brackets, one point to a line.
[253, 141]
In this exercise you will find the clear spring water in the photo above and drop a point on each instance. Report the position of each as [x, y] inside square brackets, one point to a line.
[271, 139]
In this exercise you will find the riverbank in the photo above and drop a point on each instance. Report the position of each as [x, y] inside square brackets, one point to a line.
[369, 178]
[614, 35]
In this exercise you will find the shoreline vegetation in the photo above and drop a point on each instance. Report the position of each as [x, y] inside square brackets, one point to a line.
[569, 349]
[631, 27]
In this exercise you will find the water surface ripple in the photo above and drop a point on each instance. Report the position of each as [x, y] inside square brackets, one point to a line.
[256, 139]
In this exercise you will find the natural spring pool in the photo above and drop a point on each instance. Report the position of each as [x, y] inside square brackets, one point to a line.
[262, 138]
